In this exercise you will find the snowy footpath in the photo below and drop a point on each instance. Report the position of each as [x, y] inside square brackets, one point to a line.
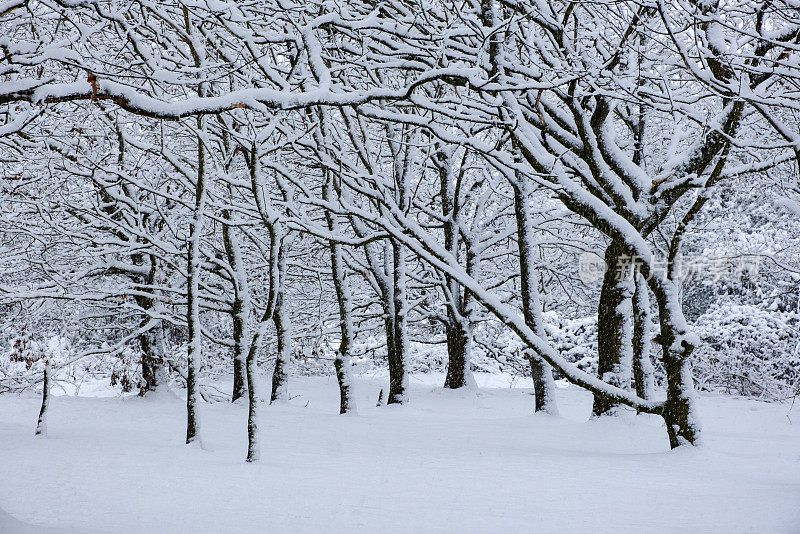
[465, 461]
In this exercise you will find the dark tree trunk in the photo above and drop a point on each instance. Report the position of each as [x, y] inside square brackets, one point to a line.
[240, 348]
[341, 361]
[614, 330]
[679, 408]
[253, 453]
[280, 379]
[151, 342]
[239, 378]
[397, 357]
[544, 387]
[154, 374]
[678, 412]
[458, 329]
[240, 310]
[346, 401]
[642, 364]
[41, 425]
[541, 372]
[458, 342]
[388, 325]
[280, 317]
[193, 298]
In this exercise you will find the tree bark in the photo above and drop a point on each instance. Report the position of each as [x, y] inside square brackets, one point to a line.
[679, 411]
[240, 311]
[541, 371]
[151, 342]
[193, 297]
[459, 339]
[41, 425]
[614, 327]
[544, 387]
[458, 328]
[642, 364]
[239, 353]
[280, 317]
[398, 380]
[253, 453]
[341, 361]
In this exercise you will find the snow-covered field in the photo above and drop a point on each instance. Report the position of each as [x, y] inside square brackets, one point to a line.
[447, 462]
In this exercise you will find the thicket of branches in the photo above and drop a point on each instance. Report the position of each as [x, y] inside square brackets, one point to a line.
[191, 184]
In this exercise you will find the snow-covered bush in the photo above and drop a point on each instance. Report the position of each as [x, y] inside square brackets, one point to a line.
[747, 350]
[500, 350]
[574, 339]
[23, 360]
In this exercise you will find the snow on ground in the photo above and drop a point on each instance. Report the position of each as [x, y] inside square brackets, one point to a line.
[447, 462]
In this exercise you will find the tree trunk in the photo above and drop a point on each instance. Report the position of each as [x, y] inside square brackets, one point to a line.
[642, 364]
[194, 353]
[541, 372]
[280, 379]
[251, 367]
[193, 298]
[342, 360]
[544, 387]
[240, 310]
[398, 381]
[152, 342]
[41, 425]
[154, 375]
[458, 344]
[458, 329]
[253, 453]
[614, 327]
[239, 368]
[679, 411]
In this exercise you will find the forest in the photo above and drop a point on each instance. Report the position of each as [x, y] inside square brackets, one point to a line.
[399, 265]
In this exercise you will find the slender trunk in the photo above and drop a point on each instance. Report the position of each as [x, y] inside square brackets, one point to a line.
[614, 327]
[458, 329]
[240, 311]
[541, 371]
[398, 139]
[280, 317]
[41, 425]
[280, 386]
[347, 403]
[388, 326]
[193, 299]
[239, 353]
[398, 380]
[342, 360]
[253, 453]
[194, 352]
[642, 364]
[384, 278]
[152, 342]
[251, 367]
